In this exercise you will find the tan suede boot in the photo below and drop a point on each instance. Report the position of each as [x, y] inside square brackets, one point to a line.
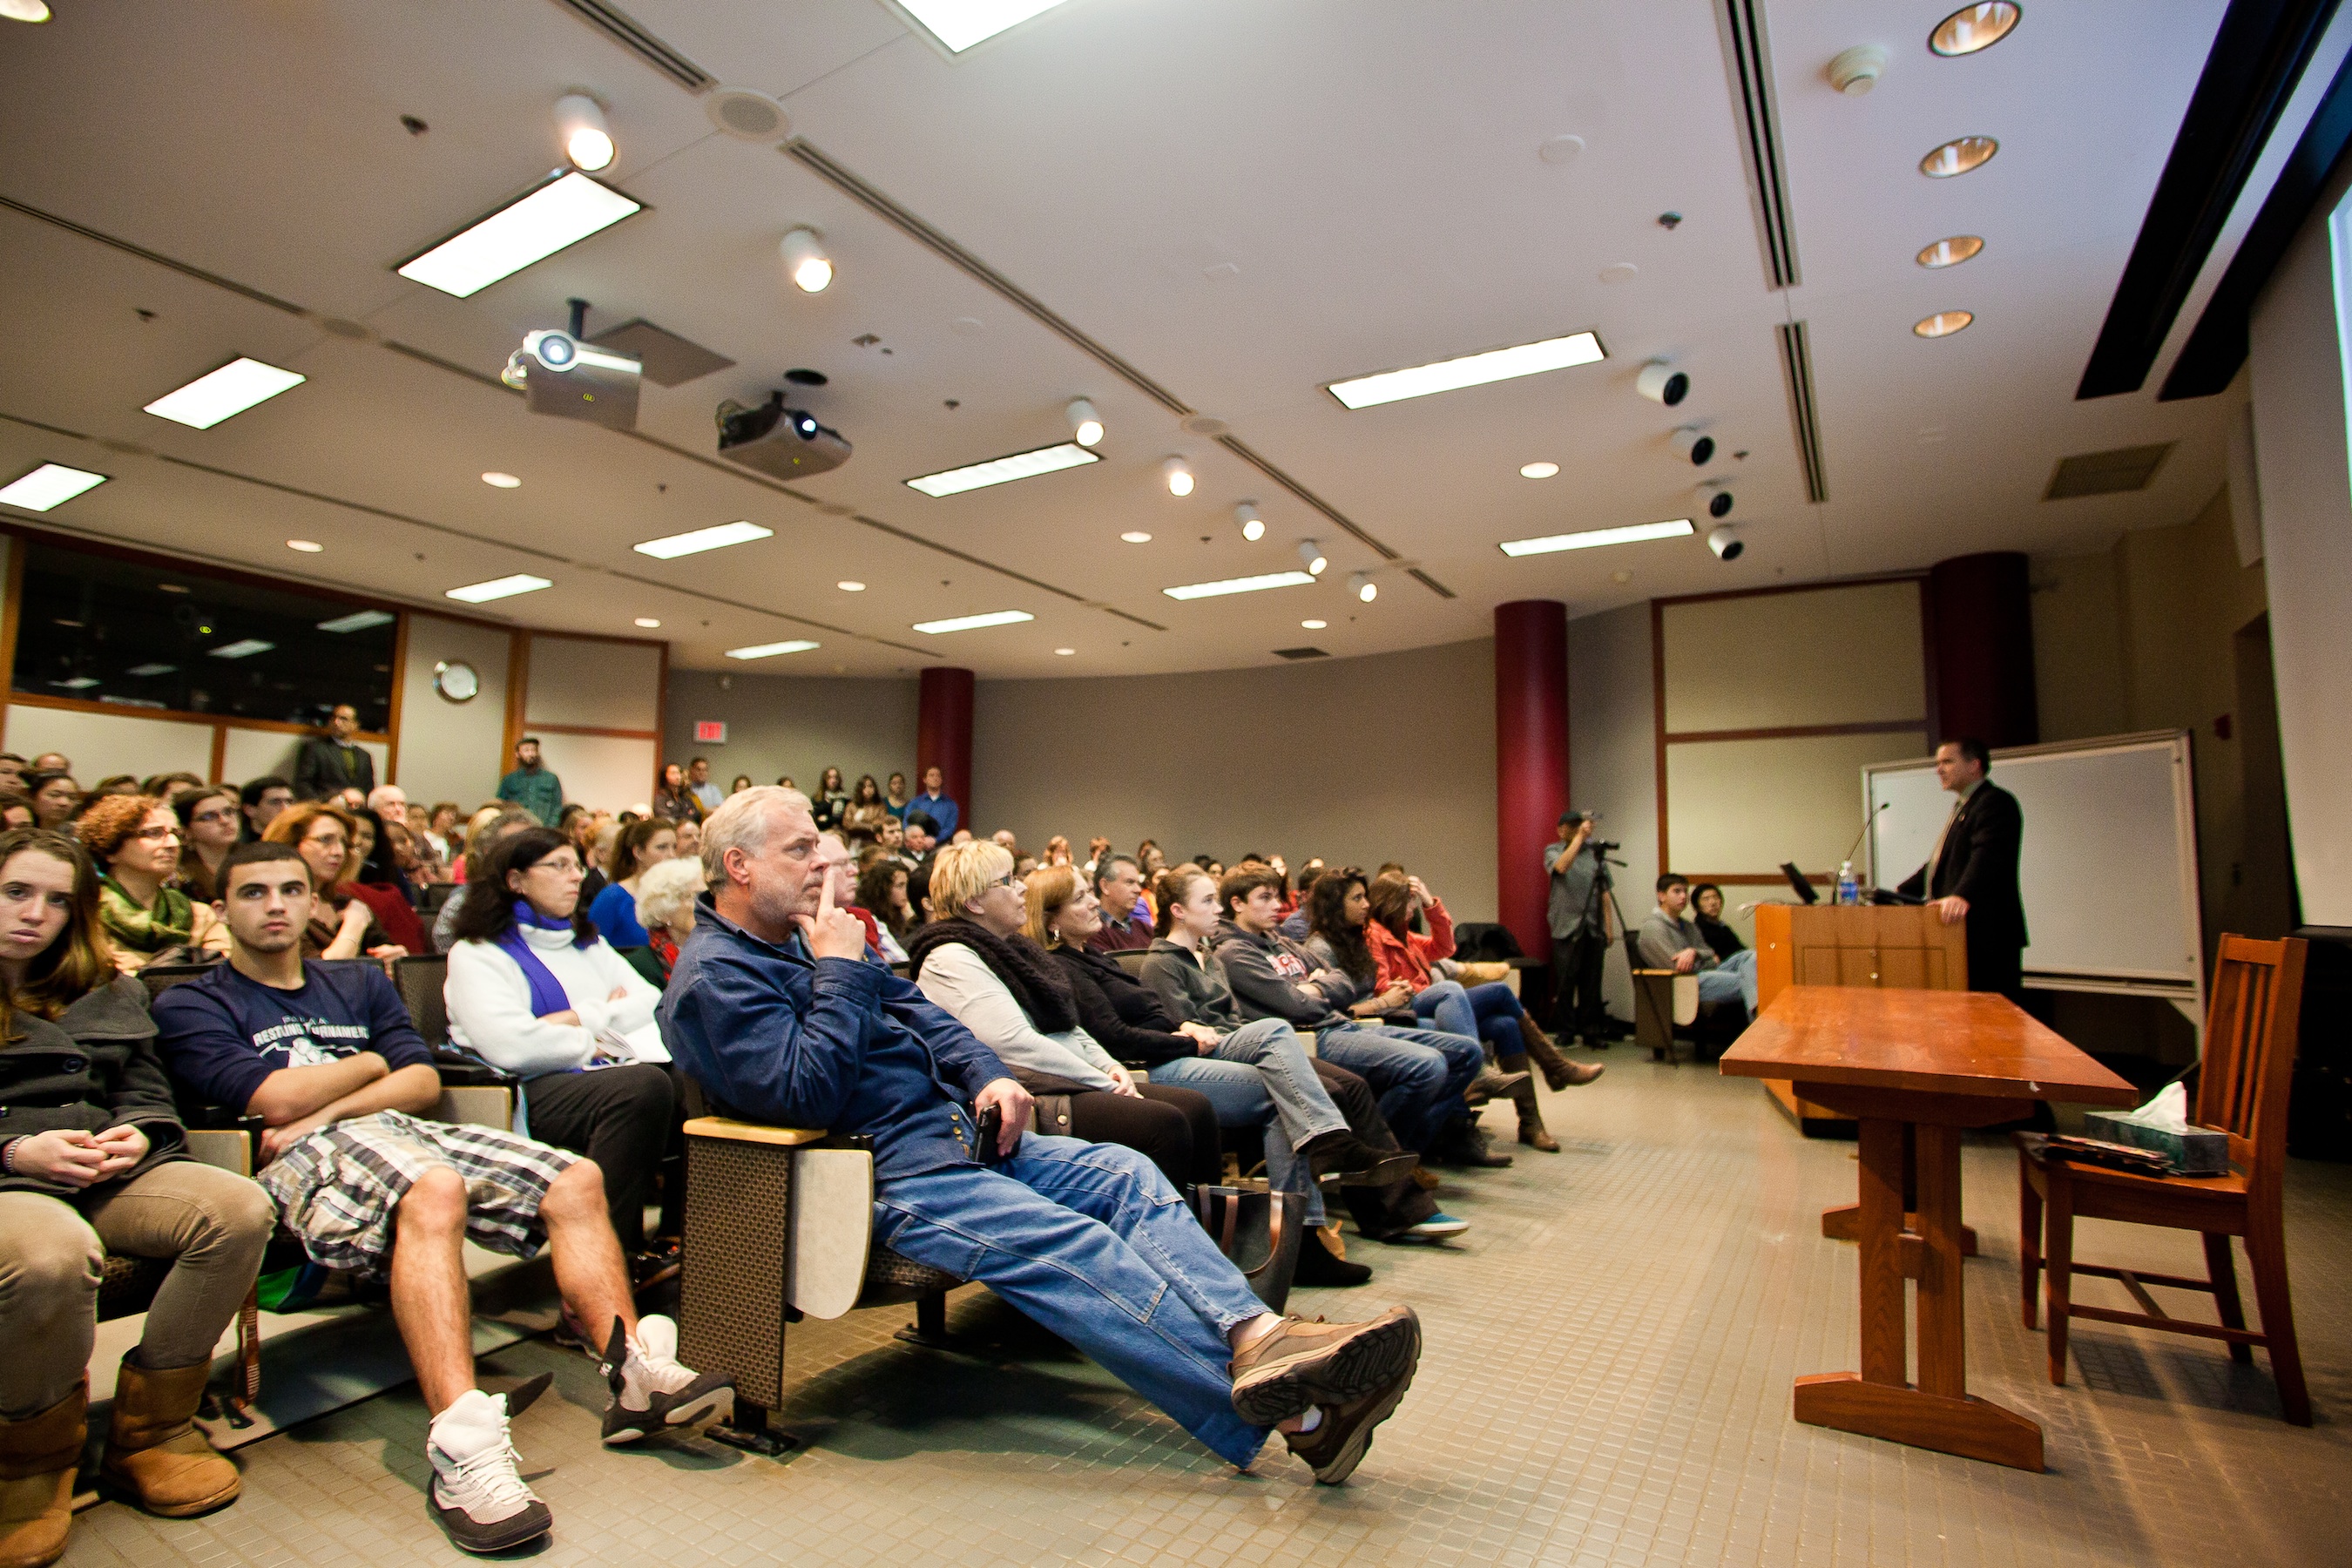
[38, 1455]
[1557, 1070]
[154, 1451]
[1532, 1131]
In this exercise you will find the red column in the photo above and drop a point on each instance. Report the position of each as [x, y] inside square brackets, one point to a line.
[1978, 620]
[1530, 760]
[943, 735]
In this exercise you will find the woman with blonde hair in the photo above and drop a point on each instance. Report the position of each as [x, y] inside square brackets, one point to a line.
[344, 925]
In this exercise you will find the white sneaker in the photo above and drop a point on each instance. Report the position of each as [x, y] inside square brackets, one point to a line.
[477, 1492]
[651, 1390]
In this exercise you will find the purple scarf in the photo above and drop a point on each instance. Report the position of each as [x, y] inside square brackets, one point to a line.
[546, 993]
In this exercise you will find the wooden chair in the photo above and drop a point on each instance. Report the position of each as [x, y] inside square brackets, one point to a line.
[2250, 1035]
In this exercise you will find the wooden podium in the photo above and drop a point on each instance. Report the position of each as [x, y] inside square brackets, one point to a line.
[1884, 946]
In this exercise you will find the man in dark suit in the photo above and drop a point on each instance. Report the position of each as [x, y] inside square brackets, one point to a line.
[1971, 874]
[332, 765]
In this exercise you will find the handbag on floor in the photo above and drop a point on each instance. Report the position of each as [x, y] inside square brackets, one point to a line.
[1252, 1222]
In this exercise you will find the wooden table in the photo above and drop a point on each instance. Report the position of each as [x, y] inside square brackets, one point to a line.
[1920, 1065]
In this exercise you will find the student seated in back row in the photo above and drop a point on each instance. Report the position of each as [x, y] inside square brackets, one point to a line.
[329, 1060]
[1671, 939]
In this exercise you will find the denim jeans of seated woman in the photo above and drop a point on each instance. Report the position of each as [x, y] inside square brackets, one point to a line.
[1488, 1012]
[1089, 1241]
[1419, 1075]
[1260, 1076]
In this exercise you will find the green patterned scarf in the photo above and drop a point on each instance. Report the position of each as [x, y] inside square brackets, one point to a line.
[171, 922]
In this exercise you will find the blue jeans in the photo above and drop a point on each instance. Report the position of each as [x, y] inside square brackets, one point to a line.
[1419, 1075]
[1735, 976]
[1489, 1013]
[1089, 1241]
[1260, 1076]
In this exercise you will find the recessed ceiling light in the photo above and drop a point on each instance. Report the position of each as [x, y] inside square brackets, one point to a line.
[26, 11]
[1135, 536]
[959, 24]
[1973, 27]
[648, 622]
[1065, 652]
[172, 587]
[850, 585]
[974, 623]
[579, 126]
[1944, 323]
[562, 209]
[1003, 470]
[1958, 156]
[1538, 471]
[770, 650]
[230, 390]
[499, 588]
[701, 539]
[496, 481]
[1239, 586]
[1314, 625]
[357, 621]
[78, 683]
[51, 484]
[1950, 252]
[1470, 370]
[243, 648]
[144, 671]
[1592, 538]
[307, 546]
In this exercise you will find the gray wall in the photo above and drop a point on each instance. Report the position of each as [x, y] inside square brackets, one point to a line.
[1613, 760]
[794, 724]
[452, 751]
[1389, 757]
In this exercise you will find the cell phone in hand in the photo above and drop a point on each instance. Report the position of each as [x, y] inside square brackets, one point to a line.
[988, 1129]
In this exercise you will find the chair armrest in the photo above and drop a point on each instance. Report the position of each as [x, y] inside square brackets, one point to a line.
[752, 1131]
[1686, 999]
[477, 1106]
[230, 1150]
[832, 1229]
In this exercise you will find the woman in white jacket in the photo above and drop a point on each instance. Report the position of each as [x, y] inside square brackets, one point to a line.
[535, 991]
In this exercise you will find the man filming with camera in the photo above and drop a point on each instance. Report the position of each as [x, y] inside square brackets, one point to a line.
[1578, 913]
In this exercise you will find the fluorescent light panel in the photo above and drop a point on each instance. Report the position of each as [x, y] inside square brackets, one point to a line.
[703, 539]
[357, 621]
[770, 650]
[51, 484]
[1239, 586]
[227, 392]
[1470, 370]
[144, 670]
[499, 588]
[243, 648]
[78, 683]
[1004, 471]
[559, 211]
[959, 24]
[974, 623]
[1593, 537]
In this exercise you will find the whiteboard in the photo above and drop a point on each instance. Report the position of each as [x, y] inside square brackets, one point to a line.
[2108, 870]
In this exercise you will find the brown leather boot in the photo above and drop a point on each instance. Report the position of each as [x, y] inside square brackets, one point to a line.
[38, 1455]
[154, 1451]
[1558, 1072]
[1532, 1131]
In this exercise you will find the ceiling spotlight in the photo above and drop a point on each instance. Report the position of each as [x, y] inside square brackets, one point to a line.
[1252, 526]
[1312, 555]
[587, 140]
[1360, 583]
[1538, 471]
[501, 481]
[1718, 502]
[1661, 383]
[1726, 542]
[850, 585]
[648, 622]
[1314, 625]
[1135, 536]
[1958, 156]
[1950, 252]
[805, 262]
[1086, 425]
[1973, 27]
[1065, 652]
[1943, 323]
[1691, 443]
[1179, 475]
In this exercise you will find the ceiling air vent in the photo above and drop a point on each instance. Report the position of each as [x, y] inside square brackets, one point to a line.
[2105, 473]
[1748, 55]
[631, 35]
[1300, 653]
[1804, 408]
[670, 359]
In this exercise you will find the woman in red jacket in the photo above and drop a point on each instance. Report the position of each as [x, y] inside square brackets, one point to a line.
[1490, 1012]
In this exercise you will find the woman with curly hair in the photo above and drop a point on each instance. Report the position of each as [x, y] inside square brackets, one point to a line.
[136, 838]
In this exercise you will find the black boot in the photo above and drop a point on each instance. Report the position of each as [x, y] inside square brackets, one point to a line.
[1318, 1265]
[1463, 1144]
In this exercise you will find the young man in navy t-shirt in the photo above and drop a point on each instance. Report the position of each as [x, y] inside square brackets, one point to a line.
[330, 1061]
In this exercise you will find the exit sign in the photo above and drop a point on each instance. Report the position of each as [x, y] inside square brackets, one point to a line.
[710, 731]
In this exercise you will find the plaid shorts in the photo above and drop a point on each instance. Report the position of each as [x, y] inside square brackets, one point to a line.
[336, 1189]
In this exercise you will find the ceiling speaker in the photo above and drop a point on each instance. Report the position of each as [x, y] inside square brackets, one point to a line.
[747, 115]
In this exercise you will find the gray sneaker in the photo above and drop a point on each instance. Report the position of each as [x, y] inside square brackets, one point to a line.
[478, 1493]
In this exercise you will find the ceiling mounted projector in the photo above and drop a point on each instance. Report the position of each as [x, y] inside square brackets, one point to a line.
[783, 443]
[561, 375]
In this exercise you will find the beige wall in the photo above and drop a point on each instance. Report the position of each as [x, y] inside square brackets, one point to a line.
[1390, 757]
[102, 744]
[598, 684]
[794, 724]
[452, 751]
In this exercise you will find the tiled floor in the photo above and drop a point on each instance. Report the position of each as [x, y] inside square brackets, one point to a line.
[1606, 1381]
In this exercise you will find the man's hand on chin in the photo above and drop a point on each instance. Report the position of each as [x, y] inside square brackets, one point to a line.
[1013, 1102]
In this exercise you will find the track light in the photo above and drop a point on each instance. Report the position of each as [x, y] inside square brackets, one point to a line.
[587, 140]
[1718, 501]
[805, 261]
[1311, 554]
[1086, 425]
[1661, 383]
[1689, 442]
[1726, 542]
[1179, 475]
[1360, 583]
[1252, 525]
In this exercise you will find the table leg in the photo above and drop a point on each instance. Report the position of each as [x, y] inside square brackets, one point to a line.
[1881, 1213]
[1845, 1224]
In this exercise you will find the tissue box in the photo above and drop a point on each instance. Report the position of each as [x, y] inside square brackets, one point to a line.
[2196, 1152]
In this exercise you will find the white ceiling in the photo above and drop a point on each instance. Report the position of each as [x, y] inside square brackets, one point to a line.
[1363, 177]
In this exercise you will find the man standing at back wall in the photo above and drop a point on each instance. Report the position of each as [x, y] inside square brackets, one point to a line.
[532, 786]
[329, 765]
[1971, 873]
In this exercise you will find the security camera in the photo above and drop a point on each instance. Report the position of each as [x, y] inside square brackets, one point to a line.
[1690, 442]
[1718, 501]
[1661, 383]
[1726, 542]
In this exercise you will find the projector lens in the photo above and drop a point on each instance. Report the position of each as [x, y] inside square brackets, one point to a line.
[555, 350]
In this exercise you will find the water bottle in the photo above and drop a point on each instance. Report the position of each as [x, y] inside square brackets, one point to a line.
[1848, 890]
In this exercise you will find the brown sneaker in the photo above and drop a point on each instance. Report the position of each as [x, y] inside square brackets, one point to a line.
[1336, 1446]
[1301, 1365]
